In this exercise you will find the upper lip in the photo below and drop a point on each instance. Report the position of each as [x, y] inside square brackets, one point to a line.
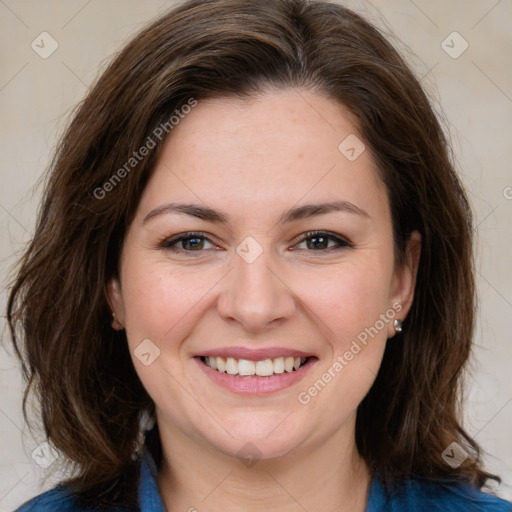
[254, 354]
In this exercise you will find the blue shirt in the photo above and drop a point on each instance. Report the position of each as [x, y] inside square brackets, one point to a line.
[418, 496]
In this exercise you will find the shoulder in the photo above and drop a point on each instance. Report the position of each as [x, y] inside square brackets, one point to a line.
[55, 500]
[417, 494]
[458, 497]
[59, 499]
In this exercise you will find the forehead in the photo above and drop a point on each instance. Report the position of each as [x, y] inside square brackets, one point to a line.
[278, 149]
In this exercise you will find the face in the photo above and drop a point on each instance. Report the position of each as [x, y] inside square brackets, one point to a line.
[231, 261]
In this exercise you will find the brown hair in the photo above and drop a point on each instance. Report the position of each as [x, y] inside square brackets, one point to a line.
[80, 368]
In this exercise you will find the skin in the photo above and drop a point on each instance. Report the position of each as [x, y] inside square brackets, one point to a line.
[254, 159]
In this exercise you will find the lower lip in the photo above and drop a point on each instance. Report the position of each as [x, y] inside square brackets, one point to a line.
[251, 385]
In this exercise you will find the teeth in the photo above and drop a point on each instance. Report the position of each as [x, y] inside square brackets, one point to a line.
[264, 368]
[245, 367]
[231, 366]
[279, 365]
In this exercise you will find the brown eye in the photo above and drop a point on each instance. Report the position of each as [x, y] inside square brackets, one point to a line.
[318, 241]
[192, 243]
[186, 242]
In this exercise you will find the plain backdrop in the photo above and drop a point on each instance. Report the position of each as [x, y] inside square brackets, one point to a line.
[468, 75]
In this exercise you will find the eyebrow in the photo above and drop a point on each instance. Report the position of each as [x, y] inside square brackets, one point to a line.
[291, 215]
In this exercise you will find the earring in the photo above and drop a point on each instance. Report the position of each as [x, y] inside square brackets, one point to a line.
[116, 324]
[398, 325]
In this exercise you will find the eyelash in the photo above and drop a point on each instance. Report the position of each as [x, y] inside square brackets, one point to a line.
[170, 243]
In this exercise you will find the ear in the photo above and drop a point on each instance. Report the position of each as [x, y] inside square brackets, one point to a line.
[115, 301]
[404, 280]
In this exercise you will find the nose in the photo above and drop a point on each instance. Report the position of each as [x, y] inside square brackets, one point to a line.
[255, 295]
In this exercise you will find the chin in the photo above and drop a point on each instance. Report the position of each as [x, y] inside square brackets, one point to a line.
[262, 436]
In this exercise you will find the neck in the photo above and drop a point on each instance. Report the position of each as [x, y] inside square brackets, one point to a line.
[328, 475]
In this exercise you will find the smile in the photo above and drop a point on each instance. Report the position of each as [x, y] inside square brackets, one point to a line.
[257, 376]
[247, 368]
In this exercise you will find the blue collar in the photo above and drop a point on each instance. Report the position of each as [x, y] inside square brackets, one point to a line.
[418, 495]
[151, 501]
[149, 496]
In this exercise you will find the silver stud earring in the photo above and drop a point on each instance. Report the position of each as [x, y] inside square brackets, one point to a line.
[398, 325]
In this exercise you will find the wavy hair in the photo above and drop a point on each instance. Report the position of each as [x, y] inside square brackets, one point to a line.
[80, 369]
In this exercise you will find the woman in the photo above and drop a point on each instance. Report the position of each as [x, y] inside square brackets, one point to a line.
[251, 282]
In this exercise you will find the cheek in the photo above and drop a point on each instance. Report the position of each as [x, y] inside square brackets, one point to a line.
[161, 305]
[349, 304]
[160, 301]
[347, 299]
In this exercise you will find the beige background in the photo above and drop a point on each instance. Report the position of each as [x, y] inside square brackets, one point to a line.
[474, 91]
